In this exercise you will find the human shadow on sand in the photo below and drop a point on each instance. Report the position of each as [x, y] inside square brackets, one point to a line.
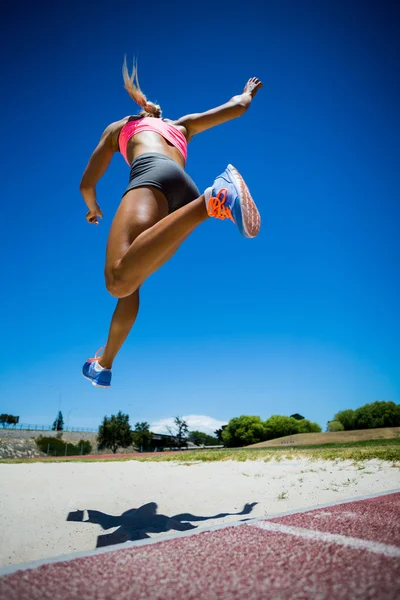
[137, 523]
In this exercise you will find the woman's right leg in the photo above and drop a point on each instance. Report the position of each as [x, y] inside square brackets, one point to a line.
[126, 271]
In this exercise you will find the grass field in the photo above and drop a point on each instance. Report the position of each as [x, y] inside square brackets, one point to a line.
[388, 450]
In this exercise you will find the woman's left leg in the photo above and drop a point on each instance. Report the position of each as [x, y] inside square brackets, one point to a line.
[123, 319]
[121, 323]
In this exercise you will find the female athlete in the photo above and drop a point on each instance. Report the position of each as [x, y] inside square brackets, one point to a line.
[161, 205]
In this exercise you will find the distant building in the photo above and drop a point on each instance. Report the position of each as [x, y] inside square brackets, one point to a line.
[161, 441]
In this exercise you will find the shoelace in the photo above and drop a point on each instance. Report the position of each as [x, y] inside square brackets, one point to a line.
[216, 206]
[96, 357]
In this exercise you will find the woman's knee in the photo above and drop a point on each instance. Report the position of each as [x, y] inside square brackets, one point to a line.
[116, 285]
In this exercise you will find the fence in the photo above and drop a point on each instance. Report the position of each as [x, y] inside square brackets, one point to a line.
[30, 427]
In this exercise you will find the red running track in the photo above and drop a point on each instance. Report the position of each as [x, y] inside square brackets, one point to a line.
[342, 552]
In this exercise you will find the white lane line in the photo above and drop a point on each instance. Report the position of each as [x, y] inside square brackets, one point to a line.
[330, 538]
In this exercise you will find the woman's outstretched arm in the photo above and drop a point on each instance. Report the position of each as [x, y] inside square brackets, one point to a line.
[236, 107]
[96, 167]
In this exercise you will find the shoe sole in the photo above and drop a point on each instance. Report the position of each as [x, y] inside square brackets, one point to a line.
[104, 387]
[250, 216]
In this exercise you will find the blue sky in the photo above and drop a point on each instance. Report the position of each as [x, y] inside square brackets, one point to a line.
[302, 319]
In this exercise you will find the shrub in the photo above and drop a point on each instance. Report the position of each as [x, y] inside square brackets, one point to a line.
[84, 447]
[57, 447]
[335, 426]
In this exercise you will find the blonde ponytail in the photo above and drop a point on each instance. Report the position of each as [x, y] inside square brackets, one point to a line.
[131, 84]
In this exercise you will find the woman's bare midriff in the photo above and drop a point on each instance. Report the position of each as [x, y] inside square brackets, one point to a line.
[150, 141]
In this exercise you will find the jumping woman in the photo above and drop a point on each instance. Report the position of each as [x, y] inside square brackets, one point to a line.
[161, 205]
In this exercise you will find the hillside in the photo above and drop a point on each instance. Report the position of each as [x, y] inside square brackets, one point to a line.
[331, 437]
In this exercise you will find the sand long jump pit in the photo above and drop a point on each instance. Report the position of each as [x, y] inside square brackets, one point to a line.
[51, 509]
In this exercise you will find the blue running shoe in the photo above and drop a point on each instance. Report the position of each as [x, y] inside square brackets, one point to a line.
[98, 378]
[231, 199]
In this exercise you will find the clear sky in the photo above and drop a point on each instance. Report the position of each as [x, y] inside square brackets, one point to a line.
[305, 318]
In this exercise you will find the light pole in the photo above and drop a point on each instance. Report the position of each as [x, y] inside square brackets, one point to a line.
[69, 412]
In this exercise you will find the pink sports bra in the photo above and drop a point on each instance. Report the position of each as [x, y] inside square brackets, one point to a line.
[169, 132]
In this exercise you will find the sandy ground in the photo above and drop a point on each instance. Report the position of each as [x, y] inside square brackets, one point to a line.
[36, 499]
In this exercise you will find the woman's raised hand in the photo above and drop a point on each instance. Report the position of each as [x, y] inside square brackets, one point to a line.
[252, 86]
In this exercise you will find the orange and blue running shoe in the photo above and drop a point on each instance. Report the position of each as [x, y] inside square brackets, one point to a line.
[231, 199]
[99, 376]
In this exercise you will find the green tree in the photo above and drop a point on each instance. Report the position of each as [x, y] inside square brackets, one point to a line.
[58, 424]
[280, 426]
[202, 439]
[346, 418]
[334, 426]
[377, 414]
[4, 419]
[371, 415]
[243, 431]
[364, 418]
[115, 432]
[179, 431]
[306, 426]
[142, 435]
[219, 432]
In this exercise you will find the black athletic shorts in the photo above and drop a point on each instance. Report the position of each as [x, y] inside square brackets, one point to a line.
[157, 170]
